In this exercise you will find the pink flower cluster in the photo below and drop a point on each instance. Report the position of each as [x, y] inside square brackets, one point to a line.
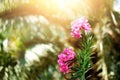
[78, 25]
[66, 55]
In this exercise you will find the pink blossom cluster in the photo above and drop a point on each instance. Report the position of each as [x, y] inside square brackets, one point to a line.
[78, 25]
[67, 55]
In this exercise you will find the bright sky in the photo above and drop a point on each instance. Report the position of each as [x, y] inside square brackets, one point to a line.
[117, 6]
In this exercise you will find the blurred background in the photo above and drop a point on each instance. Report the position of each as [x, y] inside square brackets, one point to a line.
[33, 33]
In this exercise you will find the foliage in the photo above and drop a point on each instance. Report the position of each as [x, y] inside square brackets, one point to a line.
[25, 24]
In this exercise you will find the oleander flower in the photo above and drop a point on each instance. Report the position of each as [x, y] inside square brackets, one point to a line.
[64, 68]
[78, 25]
[67, 55]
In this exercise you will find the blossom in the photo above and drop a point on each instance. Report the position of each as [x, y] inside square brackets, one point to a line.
[67, 55]
[64, 68]
[78, 25]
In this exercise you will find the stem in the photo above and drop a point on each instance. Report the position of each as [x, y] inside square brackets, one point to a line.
[83, 77]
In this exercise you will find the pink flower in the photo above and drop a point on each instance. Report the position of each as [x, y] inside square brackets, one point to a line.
[64, 69]
[76, 33]
[78, 25]
[70, 54]
[66, 55]
[63, 57]
[61, 62]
